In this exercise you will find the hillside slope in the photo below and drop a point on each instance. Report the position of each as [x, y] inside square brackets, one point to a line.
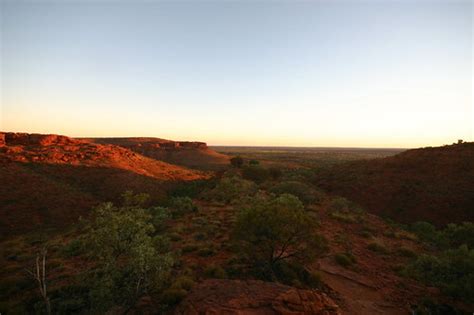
[195, 155]
[53, 179]
[433, 184]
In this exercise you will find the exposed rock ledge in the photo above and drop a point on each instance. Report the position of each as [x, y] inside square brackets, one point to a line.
[254, 297]
[25, 139]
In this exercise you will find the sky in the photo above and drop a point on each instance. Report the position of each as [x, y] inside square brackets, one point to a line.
[277, 73]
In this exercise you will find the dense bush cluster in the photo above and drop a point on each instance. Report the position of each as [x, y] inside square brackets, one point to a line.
[232, 188]
[304, 192]
[453, 269]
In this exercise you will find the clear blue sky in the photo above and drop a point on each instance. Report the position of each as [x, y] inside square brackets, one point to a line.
[315, 73]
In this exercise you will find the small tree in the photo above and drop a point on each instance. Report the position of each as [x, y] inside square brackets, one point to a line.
[270, 231]
[131, 260]
[237, 161]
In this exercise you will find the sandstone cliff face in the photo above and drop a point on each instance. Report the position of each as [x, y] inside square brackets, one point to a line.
[192, 154]
[26, 139]
[53, 179]
[253, 297]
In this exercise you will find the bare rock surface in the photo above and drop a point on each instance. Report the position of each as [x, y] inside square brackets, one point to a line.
[254, 297]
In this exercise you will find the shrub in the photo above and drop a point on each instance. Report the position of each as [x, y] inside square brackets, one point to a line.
[460, 234]
[378, 247]
[426, 232]
[452, 272]
[255, 173]
[237, 161]
[344, 210]
[182, 205]
[232, 188]
[304, 192]
[254, 162]
[345, 259]
[159, 217]
[268, 231]
[343, 216]
[183, 282]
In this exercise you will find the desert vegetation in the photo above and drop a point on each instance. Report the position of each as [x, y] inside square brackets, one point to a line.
[255, 220]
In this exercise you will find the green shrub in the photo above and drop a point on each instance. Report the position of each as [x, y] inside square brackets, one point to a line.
[254, 162]
[182, 205]
[452, 272]
[183, 282]
[343, 216]
[378, 247]
[255, 173]
[460, 234]
[304, 192]
[232, 188]
[159, 216]
[345, 259]
[426, 232]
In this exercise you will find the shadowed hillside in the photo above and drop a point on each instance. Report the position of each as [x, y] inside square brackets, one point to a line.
[186, 153]
[434, 184]
[54, 179]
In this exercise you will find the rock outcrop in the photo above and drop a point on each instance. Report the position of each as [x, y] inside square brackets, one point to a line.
[254, 297]
[192, 154]
[27, 139]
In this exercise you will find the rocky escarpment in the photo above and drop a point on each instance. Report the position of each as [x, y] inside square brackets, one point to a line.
[53, 179]
[254, 297]
[27, 139]
[57, 149]
[192, 154]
